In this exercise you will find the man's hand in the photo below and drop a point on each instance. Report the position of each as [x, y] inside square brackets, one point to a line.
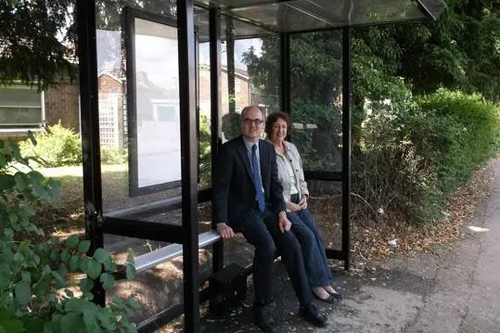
[226, 231]
[284, 223]
[303, 202]
[293, 207]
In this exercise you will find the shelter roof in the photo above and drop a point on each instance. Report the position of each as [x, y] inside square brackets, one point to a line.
[255, 17]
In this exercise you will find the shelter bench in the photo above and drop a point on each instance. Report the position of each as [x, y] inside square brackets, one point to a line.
[167, 253]
[228, 286]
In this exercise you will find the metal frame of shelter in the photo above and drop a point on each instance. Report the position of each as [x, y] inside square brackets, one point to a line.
[98, 223]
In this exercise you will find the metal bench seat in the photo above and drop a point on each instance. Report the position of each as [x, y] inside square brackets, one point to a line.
[167, 253]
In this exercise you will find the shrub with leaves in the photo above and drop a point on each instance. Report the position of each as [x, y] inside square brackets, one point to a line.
[114, 156]
[466, 134]
[416, 154]
[55, 147]
[319, 146]
[39, 288]
[205, 154]
[231, 125]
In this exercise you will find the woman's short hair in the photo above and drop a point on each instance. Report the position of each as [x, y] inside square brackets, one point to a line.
[273, 117]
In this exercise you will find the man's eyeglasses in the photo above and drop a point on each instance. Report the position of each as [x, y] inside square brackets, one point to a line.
[256, 122]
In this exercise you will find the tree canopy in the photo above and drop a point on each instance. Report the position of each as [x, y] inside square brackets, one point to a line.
[36, 42]
[38, 38]
[460, 50]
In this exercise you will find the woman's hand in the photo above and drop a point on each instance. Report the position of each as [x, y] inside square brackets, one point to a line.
[303, 202]
[293, 207]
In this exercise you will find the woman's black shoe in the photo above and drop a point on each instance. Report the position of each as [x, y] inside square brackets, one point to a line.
[312, 315]
[330, 299]
[336, 295]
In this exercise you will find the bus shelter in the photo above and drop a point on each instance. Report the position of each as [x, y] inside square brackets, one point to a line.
[160, 79]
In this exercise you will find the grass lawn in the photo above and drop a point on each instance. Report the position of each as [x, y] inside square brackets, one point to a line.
[63, 215]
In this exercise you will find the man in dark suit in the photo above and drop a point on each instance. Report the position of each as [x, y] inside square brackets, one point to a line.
[248, 199]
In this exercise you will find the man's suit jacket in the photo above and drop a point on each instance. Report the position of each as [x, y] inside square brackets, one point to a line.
[233, 186]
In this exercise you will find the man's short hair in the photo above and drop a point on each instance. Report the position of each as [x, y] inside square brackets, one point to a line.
[248, 108]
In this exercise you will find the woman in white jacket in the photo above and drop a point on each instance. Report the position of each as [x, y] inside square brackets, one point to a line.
[295, 193]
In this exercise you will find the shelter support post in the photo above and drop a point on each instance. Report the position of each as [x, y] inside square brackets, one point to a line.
[87, 55]
[215, 103]
[285, 71]
[189, 163]
[346, 143]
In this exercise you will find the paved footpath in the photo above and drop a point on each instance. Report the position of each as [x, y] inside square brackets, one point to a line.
[454, 290]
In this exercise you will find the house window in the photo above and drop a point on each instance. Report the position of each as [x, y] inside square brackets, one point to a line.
[20, 107]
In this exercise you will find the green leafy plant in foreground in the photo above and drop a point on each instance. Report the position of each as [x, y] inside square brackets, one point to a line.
[39, 286]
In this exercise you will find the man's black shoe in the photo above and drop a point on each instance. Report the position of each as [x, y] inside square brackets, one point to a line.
[264, 320]
[312, 315]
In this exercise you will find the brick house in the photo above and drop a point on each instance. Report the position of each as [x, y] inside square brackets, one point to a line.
[23, 108]
[111, 110]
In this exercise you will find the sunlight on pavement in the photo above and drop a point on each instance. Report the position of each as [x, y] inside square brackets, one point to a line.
[477, 229]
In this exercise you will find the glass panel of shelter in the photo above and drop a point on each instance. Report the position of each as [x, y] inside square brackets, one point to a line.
[137, 56]
[121, 196]
[158, 288]
[434, 8]
[140, 119]
[148, 49]
[316, 112]
[240, 42]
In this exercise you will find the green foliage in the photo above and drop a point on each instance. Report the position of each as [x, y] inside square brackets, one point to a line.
[319, 145]
[58, 146]
[315, 60]
[37, 291]
[231, 125]
[113, 156]
[205, 170]
[415, 155]
[465, 134]
[36, 56]
[459, 50]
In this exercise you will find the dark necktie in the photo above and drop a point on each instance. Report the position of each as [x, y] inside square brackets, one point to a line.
[259, 194]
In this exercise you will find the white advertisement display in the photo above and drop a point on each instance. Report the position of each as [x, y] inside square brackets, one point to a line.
[158, 137]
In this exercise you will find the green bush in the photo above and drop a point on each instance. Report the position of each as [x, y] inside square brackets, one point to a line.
[114, 156]
[465, 134]
[231, 125]
[37, 290]
[319, 146]
[57, 146]
[389, 171]
[414, 155]
[205, 178]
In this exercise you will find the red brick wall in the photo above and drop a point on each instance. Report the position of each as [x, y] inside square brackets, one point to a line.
[62, 103]
[106, 84]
